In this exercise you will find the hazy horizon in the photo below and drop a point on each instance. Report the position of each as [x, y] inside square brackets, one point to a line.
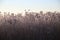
[33, 5]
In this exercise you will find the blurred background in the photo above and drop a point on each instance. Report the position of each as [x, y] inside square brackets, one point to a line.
[33, 5]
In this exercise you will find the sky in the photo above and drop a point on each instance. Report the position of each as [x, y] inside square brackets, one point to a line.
[33, 5]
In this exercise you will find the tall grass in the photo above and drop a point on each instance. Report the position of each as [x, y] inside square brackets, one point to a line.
[32, 26]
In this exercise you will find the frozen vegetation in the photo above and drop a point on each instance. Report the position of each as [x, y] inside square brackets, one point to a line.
[32, 26]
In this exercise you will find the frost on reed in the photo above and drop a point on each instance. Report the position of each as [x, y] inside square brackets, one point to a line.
[32, 26]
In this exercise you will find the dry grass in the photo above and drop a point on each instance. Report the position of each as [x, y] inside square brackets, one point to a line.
[32, 26]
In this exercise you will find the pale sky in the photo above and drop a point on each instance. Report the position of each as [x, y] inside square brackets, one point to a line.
[33, 5]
